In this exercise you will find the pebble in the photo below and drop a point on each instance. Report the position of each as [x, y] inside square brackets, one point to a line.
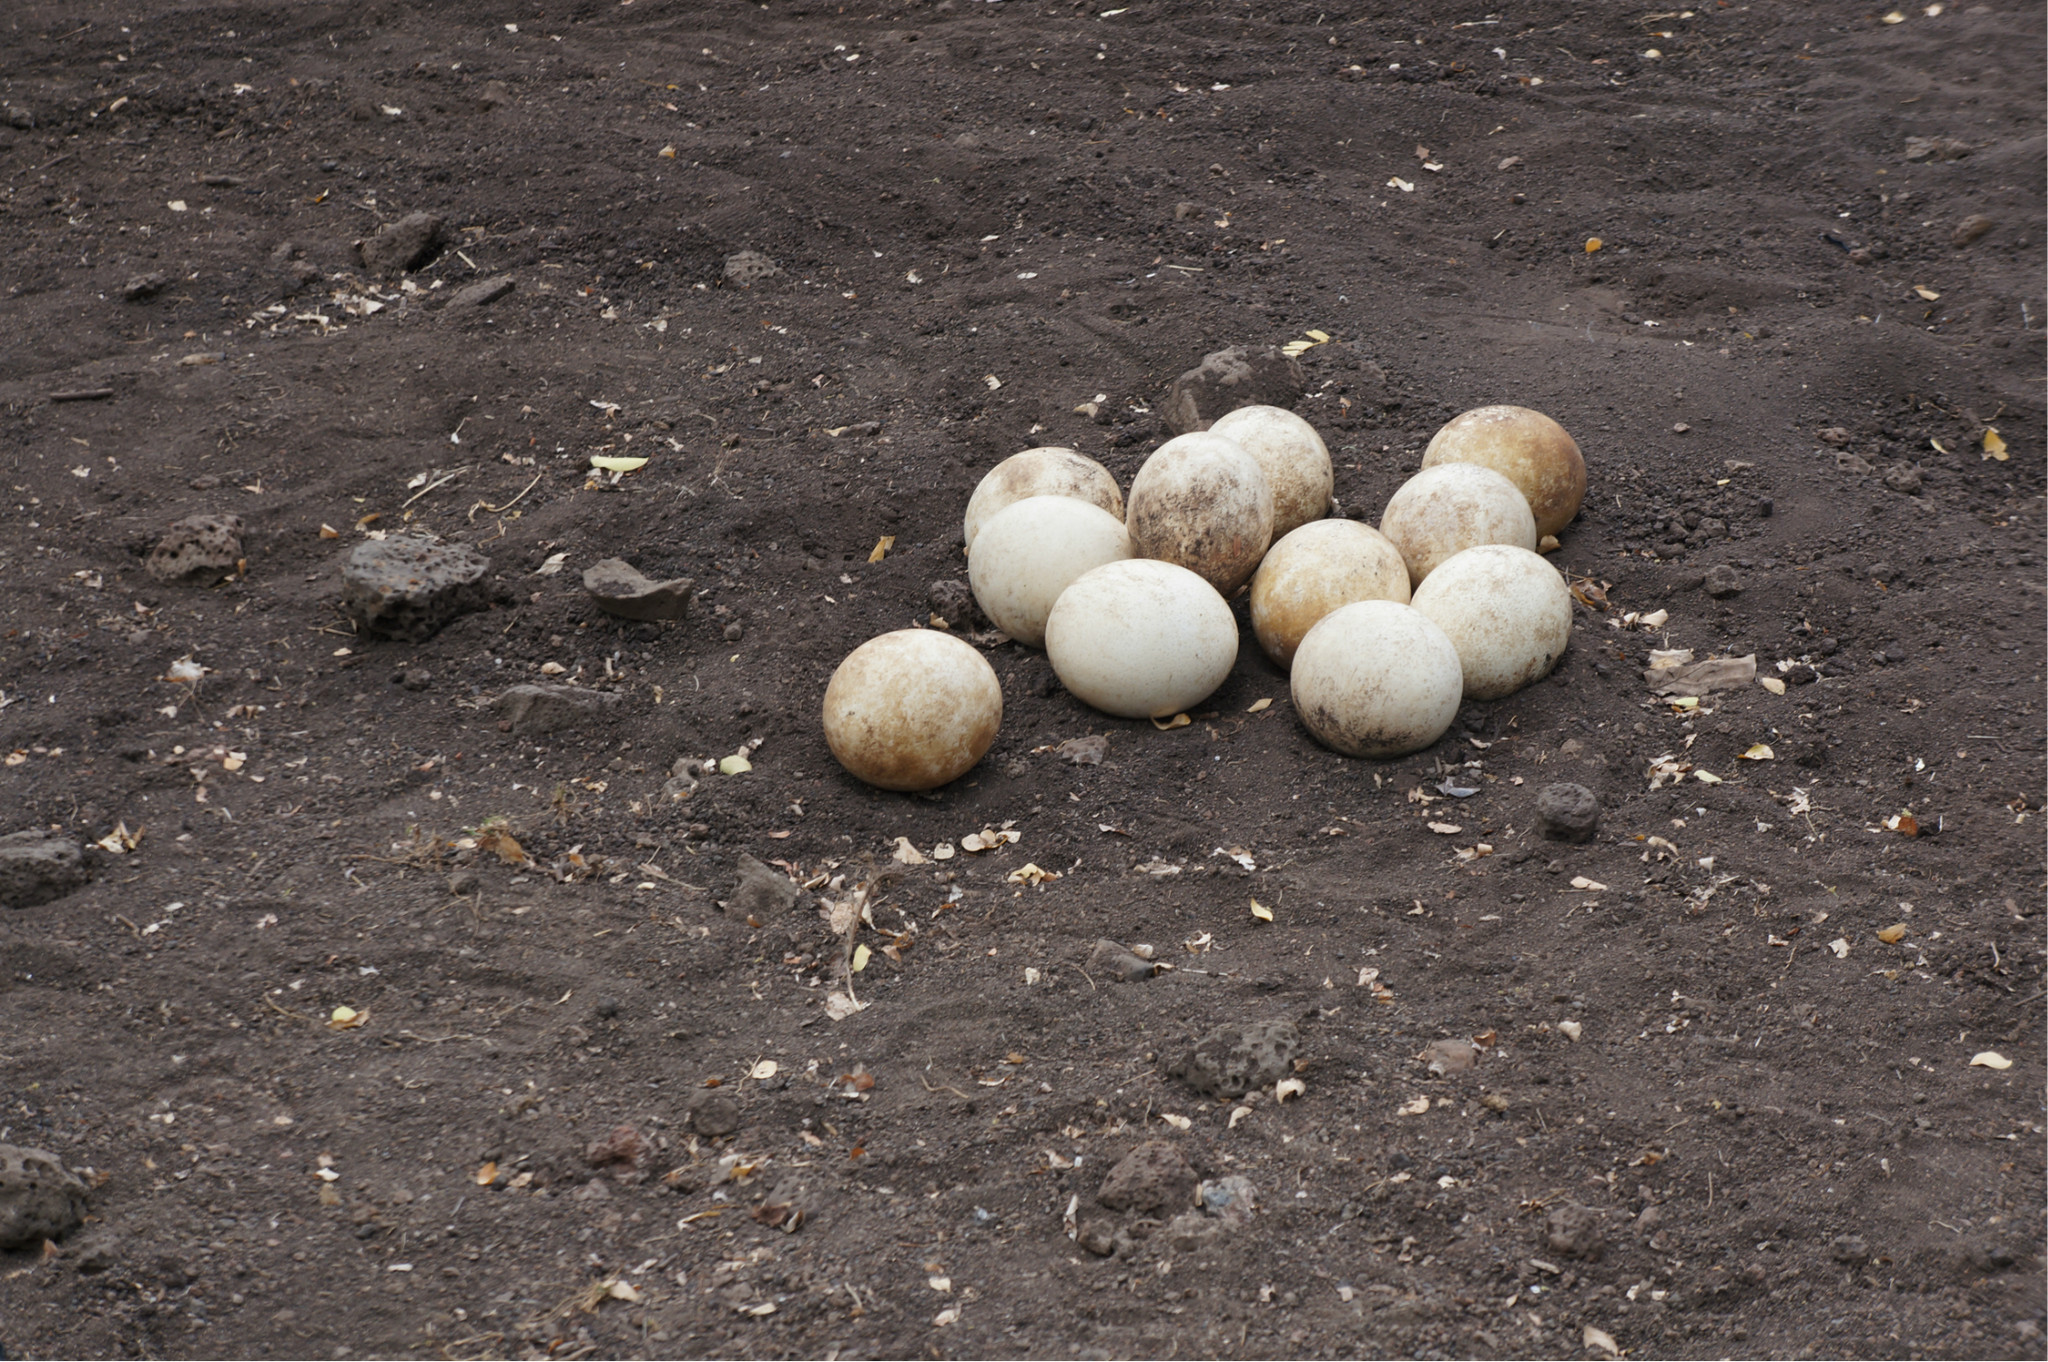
[1567, 812]
[1723, 581]
[463, 882]
[143, 287]
[39, 1198]
[734, 633]
[747, 268]
[1228, 379]
[1152, 1177]
[482, 293]
[952, 600]
[1111, 959]
[1238, 1056]
[1451, 1056]
[197, 548]
[36, 867]
[1904, 478]
[403, 245]
[408, 586]
[1849, 1248]
[714, 1115]
[543, 709]
[1970, 228]
[619, 589]
[759, 891]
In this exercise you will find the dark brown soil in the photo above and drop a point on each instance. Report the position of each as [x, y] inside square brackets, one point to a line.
[1760, 1143]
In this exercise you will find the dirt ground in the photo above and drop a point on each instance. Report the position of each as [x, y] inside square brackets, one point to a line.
[1714, 1113]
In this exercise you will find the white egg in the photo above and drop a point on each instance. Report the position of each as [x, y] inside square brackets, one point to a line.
[912, 709]
[1506, 611]
[1322, 565]
[1292, 456]
[1048, 471]
[1450, 508]
[1527, 448]
[1032, 550]
[1376, 679]
[1202, 502]
[1141, 638]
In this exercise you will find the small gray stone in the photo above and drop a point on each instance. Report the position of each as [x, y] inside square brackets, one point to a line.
[1851, 463]
[1881, 571]
[1232, 1199]
[1969, 229]
[1098, 1236]
[1191, 1230]
[714, 1115]
[1567, 812]
[463, 882]
[1450, 1056]
[480, 294]
[1152, 1177]
[36, 867]
[543, 709]
[403, 245]
[1576, 1231]
[1723, 581]
[1229, 379]
[408, 586]
[143, 287]
[1118, 963]
[39, 1198]
[952, 600]
[734, 632]
[1239, 1056]
[619, 589]
[1849, 1248]
[760, 892]
[747, 268]
[1903, 478]
[197, 548]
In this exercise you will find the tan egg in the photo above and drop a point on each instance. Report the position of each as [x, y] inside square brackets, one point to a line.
[1032, 550]
[912, 709]
[1141, 638]
[1506, 611]
[1450, 508]
[1321, 566]
[1202, 502]
[1291, 455]
[1376, 679]
[1525, 447]
[1048, 471]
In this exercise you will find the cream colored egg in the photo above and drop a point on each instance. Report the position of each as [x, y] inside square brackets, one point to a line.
[1506, 611]
[1319, 567]
[1141, 638]
[912, 710]
[1032, 550]
[1203, 503]
[1376, 679]
[1291, 455]
[1528, 449]
[1450, 508]
[1048, 471]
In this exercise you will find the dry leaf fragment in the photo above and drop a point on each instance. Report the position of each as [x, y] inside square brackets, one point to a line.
[861, 955]
[1288, 1087]
[552, 566]
[1904, 824]
[1895, 17]
[329, 532]
[1893, 935]
[1706, 778]
[1261, 911]
[908, 854]
[487, 1175]
[1398, 183]
[882, 547]
[840, 1006]
[734, 765]
[1572, 1030]
[1989, 1059]
[1259, 706]
[1760, 752]
[1601, 1339]
[1030, 875]
[622, 1291]
[1840, 946]
[943, 851]
[1771, 684]
[1592, 244]
[345, 1019]
[612, 463]
[1414, 1107]
[1581, 882]
[1445, 829]
[1994, 445]
[1177, 721]
[764, 1070]
[1925, 292]
[1177, 1122]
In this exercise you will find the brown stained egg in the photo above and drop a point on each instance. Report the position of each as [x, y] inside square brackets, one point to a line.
[1321, 566]
[1048, 471]
[1203, 503]
[1528, 449]
[1292, 456]
[1452, 507]
[1376, 679]
[1506, 611]
[1032, 550]
[912, 710]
